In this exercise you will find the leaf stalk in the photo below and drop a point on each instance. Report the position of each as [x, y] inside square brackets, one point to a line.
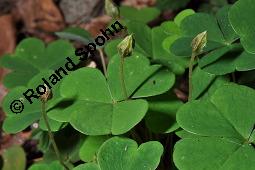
[44, 115]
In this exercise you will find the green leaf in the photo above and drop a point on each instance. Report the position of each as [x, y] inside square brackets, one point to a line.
[87, 166]
[69, 150]
[200, 22]
[241, 99]
[185, 134]
[155, 43]
[225, 26]
[158, 35]
[241, 16]
[112, 112]
[216, 126]
[54, 125]
[52, 166]
[89, 149]
[222, 129]
[230, 62]
[216, 54]
[143, 15]
[120, 153]
[109, 117]
[213, 153]
[43, 138]
[17, 122]
[182, 46]
[141, 78]
[219, 31]
[149, 42]
[182, 15]
[213, 86]
[170, 28]
[171, 4]
[14, 158]
[200, 82]
[143, 37]
[162, 111]
[76, 34]
[31, 57]
[111, 48]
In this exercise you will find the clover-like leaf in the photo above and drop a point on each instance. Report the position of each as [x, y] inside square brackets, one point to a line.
[90, 90]
[200, 82]
[95, 112]
[32, 112]
[219, 31]
[149, 42]
[241, 17]
[14, 158]
[90, 147]
[42, 166]
[142, 15]
[234, 60]
[87, 166]
[182, 15]
[17, 122]
[120, 153]
[141, 78]
[143, 37]
[224, 24]
[14, 123]
[31, 57]
[111, 48]
[69, 149]
[222, 127]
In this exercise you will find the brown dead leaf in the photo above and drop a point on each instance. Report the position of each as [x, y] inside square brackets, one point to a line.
[16, 139]
[96, 24]
[40, 14]
[7, 34]
[3, 92]
[7, 45]
[139, 3]
[181, 95]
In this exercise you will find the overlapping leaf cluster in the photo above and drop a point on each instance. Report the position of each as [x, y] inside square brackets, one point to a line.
[88, 108]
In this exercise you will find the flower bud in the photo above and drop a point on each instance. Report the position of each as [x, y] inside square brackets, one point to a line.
[199, 42]
[47, 95]
[111, 9]
[126, 46]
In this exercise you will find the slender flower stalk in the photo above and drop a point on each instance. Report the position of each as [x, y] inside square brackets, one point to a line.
[198, 43]
[192, 59]
[44, 98]
[122, 77]
[125, 49]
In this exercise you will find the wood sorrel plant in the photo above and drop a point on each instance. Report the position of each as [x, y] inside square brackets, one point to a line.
[136, 115]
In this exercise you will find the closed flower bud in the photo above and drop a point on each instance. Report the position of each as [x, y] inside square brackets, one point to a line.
[199, 42]
[126, 46]
[47, 95]
[111, 9]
